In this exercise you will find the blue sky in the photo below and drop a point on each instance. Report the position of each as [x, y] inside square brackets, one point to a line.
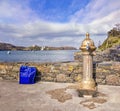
[56, 22]
[57, 10]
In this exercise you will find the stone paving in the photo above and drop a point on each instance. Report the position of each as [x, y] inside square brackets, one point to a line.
[49, 96]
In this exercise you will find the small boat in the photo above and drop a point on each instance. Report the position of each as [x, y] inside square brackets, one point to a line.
[8, 52]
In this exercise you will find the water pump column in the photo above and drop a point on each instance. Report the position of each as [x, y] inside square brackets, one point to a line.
[87, 49]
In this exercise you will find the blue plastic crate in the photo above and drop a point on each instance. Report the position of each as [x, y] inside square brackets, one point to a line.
[27, 75]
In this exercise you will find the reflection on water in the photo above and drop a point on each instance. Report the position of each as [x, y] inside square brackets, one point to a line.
[37, 56]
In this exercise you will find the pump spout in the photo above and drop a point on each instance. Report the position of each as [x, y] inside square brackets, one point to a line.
[87, 46]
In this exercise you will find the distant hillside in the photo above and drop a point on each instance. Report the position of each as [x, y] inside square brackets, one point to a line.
[7, 46]
[113, 39]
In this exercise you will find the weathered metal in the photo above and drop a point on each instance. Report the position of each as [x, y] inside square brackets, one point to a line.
[87, 48]
[87, 44]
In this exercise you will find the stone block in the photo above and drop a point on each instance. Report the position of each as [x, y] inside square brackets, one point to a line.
[69, 80]
[78, 78]
[100, 81]
[100, 76]
[15, 68]
[61, 78]
[56, 71]
[103, 64]
[73, 64]
[49, 79]
[112, 80]
[3, 71]
[70, 68]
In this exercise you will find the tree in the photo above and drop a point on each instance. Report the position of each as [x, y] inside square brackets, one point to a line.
[115, 31]
[117, 26]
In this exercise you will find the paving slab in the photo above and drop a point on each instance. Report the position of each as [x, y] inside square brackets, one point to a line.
[49, 96]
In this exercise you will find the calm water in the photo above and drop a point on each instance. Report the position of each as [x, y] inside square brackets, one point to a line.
[37, 56]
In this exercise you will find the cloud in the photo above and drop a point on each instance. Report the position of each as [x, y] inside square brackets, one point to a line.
[12, 11]
[98, 17]
[96, 9]
[21, 25]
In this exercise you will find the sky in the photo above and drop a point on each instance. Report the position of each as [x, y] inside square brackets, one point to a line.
[56, 22]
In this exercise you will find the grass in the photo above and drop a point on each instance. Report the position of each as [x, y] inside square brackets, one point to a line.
[110, 42]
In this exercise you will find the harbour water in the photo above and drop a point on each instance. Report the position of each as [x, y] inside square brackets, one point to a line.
[37, 56]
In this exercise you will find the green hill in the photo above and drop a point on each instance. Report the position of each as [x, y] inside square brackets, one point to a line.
[113, 39]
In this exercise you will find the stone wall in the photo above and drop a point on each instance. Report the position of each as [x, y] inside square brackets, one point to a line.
[104, 73]
[107, 55]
